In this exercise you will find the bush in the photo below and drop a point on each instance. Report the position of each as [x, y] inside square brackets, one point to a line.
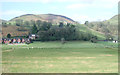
[94, 39]
[8, 35]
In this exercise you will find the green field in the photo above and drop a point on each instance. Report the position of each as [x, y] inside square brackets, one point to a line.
[54, 57]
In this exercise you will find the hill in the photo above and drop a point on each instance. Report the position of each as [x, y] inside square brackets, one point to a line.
[14, 31]
[23, 29]
[106, 27]
[18, 30]
[113, 20]
[55, 19]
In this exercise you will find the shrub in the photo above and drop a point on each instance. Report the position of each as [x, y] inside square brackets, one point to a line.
[8, 35]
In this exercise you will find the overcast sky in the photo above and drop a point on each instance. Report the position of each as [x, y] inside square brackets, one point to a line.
[78, 10]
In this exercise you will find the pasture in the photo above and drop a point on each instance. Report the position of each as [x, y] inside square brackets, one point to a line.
[54, 57]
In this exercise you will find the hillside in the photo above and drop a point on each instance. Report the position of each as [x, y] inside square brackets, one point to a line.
[106, 27]
[84, 28]
[55, 19]
[113, 20]
[23, 29]
[14, 31]
[18, 30]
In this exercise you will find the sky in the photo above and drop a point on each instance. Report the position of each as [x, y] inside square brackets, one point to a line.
[78, 10]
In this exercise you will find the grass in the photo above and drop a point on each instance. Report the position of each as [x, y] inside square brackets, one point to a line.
[84, 28]
[53, 57]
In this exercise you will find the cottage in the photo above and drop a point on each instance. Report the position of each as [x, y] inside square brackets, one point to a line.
[32, 36]
[115, 41]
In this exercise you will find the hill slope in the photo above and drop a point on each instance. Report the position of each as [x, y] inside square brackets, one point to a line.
[15, 30]
[106, 27]
[113, 20]
[44, 17]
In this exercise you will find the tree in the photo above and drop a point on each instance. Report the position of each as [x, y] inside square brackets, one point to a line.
[8, 35]
[42, 35]
[105, 30]
[94, 39]
[34, 29]
[68, 24]
[9, 23]
[26, 23]
[38, 22]
[19, 22]
[49, 25]
[47, 32]
[45, 26]
[4, 24]
[32, 22]
[108, 37]
[86, 22]
[62, 40]
[61, 24]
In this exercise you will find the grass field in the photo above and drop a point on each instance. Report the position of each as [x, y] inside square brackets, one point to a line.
[53, 57]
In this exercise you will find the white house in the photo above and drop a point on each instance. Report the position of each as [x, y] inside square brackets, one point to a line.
[32, 36]
[115, 41]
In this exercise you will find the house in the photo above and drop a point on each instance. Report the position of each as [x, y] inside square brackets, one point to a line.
[115, 41]
[32, 36]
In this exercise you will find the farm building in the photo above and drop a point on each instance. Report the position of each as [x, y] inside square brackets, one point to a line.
[33, 36]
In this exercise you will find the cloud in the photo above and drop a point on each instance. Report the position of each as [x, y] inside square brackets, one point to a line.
[47, 1]
[83, 17]
[18, 12]
[106, 3]
[72, 1]
[12, 12]
[9, 14]
[77, 6]
[93, 4]
[80, 17]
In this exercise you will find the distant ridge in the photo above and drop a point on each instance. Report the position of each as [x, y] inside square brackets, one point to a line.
[62, 16]
[1, 20]
[53, 18]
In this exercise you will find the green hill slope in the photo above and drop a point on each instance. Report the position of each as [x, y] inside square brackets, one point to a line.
[113, 20]
[84, 28]
[106, 27]
[54, 19]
